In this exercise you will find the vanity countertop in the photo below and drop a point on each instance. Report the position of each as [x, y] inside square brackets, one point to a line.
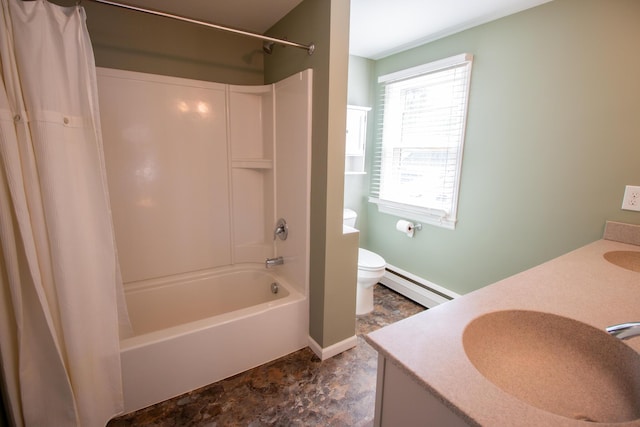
[580, 285]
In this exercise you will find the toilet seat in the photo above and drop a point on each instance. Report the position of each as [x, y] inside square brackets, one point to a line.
[369, 261]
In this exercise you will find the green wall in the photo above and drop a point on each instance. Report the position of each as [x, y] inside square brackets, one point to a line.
[136, 41]
[333, 255]
[552, 139]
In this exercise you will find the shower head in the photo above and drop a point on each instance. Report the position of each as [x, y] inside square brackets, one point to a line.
[267, 47]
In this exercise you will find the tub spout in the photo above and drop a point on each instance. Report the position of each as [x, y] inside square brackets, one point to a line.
[274, 261]
[625, 330]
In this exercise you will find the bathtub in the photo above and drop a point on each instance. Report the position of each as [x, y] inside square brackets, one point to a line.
[196, 329]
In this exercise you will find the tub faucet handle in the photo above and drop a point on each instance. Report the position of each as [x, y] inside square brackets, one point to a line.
[282, 230]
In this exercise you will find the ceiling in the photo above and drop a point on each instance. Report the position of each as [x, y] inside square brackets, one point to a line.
[378, 27]
[382, 27]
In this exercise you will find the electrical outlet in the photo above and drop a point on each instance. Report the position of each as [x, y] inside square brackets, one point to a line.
[631, 199]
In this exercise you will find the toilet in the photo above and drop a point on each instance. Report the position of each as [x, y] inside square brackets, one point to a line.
[370, 270]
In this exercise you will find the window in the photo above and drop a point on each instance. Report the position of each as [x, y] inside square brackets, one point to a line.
[418, 158]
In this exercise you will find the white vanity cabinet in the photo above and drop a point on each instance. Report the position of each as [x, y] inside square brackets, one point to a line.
[356, 139]
[401, 401]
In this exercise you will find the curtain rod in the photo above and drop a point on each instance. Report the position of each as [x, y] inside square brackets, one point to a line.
[267, 46]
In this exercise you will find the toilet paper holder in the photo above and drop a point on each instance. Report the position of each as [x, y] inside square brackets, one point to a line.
[408, 227]
[417, 226]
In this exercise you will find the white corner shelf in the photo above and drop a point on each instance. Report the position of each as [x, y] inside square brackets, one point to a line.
[252, 164]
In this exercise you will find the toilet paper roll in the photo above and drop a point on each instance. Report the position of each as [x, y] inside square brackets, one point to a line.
[406, 227]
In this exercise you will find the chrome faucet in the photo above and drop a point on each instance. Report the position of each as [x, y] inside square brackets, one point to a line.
[625, 330]
[282, 230]
[270, 262]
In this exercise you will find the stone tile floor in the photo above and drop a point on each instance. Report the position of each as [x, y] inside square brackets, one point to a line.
[295, 390]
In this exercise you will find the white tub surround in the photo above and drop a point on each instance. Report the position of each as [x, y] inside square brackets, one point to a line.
[198, 174]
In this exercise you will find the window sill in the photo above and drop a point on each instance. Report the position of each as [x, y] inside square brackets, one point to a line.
[427, 216]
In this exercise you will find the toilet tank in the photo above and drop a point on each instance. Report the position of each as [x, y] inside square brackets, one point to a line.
[349, 218]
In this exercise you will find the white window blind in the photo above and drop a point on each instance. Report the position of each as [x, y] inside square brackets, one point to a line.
[416, 172]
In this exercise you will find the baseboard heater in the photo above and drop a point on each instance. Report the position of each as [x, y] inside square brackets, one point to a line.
[416, 288]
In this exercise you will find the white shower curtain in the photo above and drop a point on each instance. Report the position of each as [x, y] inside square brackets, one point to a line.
[60, 302]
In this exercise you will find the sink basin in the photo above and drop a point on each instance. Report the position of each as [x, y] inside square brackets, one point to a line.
[625, 259]
[556, 364]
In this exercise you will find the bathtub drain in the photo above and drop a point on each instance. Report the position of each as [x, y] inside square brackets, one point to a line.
[274, 288]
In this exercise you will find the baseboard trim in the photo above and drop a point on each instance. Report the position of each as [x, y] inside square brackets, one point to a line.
[332, 350]
[416, 288]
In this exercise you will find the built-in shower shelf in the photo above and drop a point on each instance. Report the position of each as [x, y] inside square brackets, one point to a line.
[252, 163]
